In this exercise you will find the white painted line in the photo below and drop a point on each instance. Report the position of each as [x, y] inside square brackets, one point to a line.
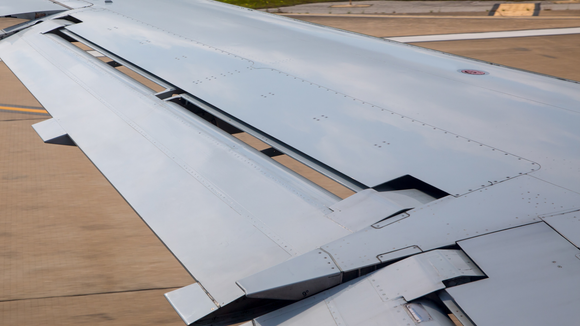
[95, 54]
[486, 35]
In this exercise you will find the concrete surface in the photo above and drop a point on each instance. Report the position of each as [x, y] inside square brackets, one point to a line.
[415, 7]
[73, 252]
[557, 55]
[407, 26]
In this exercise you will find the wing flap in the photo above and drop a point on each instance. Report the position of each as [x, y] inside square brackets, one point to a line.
[390, 296]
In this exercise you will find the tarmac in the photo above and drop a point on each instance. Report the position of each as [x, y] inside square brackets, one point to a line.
[478, 8]
[73, 252]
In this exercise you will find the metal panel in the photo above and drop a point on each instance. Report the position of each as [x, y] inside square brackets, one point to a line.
[75, 4]
[443, 222]
[422, 274]
[217, 203]
[365, 208]
[534, 278]
[191, 302]
[418, 86]
[408, 198]
[51, 132]
[381, 297]
[304, 313]
[28, 6]
[567, 224]
[294, 279]
[397, 254]
[454, 308]
[310, 273]
[390, 220]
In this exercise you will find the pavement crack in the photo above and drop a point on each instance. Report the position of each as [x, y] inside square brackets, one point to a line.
[12, 120]
[90, 294]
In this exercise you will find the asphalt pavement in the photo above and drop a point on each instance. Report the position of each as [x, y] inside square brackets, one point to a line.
[419, 7]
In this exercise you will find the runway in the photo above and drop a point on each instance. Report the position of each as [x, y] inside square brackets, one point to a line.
[451, 8]
[27, 110]
[72, 251]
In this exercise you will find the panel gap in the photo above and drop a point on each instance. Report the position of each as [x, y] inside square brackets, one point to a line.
[71, 19]
[303, 170]
[409, 182]
[314, 176]
[252, 141]
[119, 66]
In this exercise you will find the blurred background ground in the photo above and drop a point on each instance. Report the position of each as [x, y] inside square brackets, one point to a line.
[448, 8]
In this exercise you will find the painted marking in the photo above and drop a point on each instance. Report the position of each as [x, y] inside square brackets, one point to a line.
[485, 35]
[404, 16]
[8, 108]
[515, 9]
[350, 6]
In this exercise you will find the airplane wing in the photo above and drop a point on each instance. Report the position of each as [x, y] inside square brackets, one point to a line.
[465, 174]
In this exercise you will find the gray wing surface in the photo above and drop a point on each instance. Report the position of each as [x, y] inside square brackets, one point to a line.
[454, 173]
[28, 6]
[30, 9]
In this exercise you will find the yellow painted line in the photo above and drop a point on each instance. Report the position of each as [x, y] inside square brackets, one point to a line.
[350, 6]
[8, 108]
[430, 17]
[515, 9]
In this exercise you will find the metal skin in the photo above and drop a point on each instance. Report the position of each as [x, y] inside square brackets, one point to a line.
[51, 132]
[535, 270]
[500, 148]
[28, 7]
[383, 300]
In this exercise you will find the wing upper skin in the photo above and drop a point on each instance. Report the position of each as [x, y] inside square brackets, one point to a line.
[502, 148]
[30, 9]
